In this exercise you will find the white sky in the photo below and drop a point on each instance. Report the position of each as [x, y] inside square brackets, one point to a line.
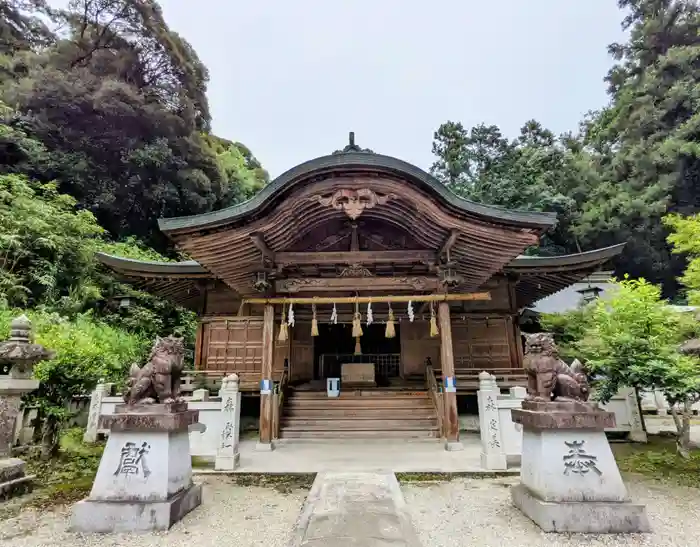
[290, 79]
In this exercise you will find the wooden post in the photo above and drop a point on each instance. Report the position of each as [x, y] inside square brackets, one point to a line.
[198, 340]
[265, 442]
[447, 362]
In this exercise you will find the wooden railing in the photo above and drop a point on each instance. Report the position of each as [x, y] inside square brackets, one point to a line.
[278, 403]
[468, 379]
[436, 395]
[211, 380]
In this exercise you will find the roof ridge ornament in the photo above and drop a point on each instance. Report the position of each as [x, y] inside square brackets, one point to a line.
[352, 147]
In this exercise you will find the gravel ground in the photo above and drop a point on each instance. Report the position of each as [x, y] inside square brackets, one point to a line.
[229, 515]
[479, 512]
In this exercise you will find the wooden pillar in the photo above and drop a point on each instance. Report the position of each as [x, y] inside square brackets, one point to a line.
[265, 442]
[198, 341]
[447, 362]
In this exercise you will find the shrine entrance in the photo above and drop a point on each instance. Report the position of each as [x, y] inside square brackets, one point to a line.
[335, 346]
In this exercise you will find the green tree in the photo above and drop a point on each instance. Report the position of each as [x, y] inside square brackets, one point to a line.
[536, 171]
[632, 340]
[648, 137]
[685, 238]
[117, 101]
[45, 244]
[87, 351]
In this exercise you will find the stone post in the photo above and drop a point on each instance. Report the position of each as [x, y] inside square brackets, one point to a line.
[101, 390]
[637, 433]
[18, 355]
[661, 403]
[493, 454]
[569, 480]
[200, 395]
[227, 455]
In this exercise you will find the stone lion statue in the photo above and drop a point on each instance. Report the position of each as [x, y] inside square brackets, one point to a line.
[158, 381]
[548, 376]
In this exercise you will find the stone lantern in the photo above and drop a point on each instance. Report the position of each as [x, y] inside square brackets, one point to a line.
[18, 355]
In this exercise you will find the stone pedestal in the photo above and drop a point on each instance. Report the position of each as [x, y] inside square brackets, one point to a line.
[569, 480]
[144, 481]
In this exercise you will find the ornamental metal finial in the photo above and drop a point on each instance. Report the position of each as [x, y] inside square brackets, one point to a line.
[352, 147]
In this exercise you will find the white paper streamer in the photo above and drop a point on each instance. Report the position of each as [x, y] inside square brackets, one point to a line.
[411, 315]
[290, 316]
[334, 316]
[370, 318]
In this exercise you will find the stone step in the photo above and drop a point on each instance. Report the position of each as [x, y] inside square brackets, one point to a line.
[392, 413]
[354, 403]
[360, 434]
[353, 393]
[363, 423]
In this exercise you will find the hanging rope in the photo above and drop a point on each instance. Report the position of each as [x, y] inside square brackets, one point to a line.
[357, 322]
[433, 322]
[314, 321]
[283, 326]
[390, 330]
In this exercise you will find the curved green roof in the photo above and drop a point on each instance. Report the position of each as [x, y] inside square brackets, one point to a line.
[357, 161]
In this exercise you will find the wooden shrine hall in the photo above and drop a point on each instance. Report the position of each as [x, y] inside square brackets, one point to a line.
[365, 268]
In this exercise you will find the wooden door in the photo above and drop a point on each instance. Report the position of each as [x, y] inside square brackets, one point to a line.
[484, 343]
[417, 346]
[281, 352]
[301, 360]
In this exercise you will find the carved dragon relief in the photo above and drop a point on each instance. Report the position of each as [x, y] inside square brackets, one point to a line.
[353, 202]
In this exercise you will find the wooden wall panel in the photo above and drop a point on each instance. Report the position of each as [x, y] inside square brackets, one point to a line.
[484, 343]
[301, 361]
[500, 298]
[417, 346]
[221, 301]
[232, 345]
[281, 351]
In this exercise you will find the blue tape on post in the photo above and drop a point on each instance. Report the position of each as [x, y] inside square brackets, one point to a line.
[265, 387]
[450, 384]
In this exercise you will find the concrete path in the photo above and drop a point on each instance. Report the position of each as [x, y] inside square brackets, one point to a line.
[355, 509]
[366, 455]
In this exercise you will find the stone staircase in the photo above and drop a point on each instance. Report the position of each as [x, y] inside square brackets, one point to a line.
[361, 414]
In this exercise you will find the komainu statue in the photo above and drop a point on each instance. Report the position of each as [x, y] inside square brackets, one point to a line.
[548, 377]
[158, 381]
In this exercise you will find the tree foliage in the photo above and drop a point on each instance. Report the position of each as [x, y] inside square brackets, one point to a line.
[632, 340]
[118, 102]
[104, 127]
[87, 351]
[685, 238]
[629, 164]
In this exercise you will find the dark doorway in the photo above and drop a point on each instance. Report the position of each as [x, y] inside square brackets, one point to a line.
[335, 345]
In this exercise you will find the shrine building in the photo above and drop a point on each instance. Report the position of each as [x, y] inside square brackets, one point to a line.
[365, 268]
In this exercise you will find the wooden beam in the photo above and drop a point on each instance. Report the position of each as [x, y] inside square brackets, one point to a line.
[325, 258]
[449, 242]
[352, 284]
[373, 299]
[258, 240]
